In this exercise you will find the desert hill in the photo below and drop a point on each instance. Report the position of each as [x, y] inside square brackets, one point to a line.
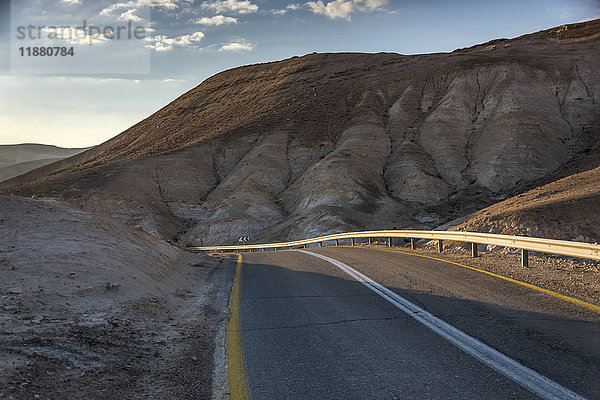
[568, 208]
[335, 142]
[18, 159]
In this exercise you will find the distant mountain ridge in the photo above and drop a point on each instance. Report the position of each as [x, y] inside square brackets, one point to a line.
[17, 159]
[336, 142]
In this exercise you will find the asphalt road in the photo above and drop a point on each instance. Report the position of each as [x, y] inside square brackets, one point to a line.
[311, 331]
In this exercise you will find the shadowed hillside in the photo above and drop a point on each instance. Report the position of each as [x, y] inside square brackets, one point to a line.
[335, 142]
[568, 208]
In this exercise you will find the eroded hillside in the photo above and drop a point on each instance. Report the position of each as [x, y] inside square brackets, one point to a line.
[335, 142]
[568, 208]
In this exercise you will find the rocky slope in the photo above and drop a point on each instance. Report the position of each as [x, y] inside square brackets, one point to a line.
[335, 142]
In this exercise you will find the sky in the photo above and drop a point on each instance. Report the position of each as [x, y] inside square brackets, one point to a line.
[111, 83]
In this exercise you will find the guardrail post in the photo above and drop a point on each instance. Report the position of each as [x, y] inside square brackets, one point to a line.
[352, 241]
[263, 249]
[274, 248]
[389, 242]
[413, 245]
[337, 242]
[303, 246]
[440, 246]
[320, 244]
[474, 249]
[524, 258]
[370, 241]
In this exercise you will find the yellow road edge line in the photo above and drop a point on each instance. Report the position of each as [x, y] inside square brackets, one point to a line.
[528, 285]
[237, 372]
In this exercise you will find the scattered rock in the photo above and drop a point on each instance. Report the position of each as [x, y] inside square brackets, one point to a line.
[15, 290]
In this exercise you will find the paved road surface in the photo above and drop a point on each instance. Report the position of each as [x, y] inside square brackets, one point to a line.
[310, 331]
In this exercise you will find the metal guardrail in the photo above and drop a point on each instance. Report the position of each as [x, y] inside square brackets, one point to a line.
[524, 243]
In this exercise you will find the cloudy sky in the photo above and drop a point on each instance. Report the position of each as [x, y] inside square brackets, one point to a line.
[110, 84]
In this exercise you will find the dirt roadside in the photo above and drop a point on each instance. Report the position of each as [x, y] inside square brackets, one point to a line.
[94, 309]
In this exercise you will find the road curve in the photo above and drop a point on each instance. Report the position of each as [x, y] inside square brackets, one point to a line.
[309, 330]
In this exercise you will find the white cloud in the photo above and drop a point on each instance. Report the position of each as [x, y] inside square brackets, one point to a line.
[129, 16]
[237, 47]
[70, 2]
[169, 4]
[217, 20]
[289, 7]
[165, 43]
[73, 35]
[343, 8]
[238, 6]
[135, 5]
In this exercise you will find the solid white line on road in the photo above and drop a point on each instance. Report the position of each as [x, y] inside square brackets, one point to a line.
[526, 377]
